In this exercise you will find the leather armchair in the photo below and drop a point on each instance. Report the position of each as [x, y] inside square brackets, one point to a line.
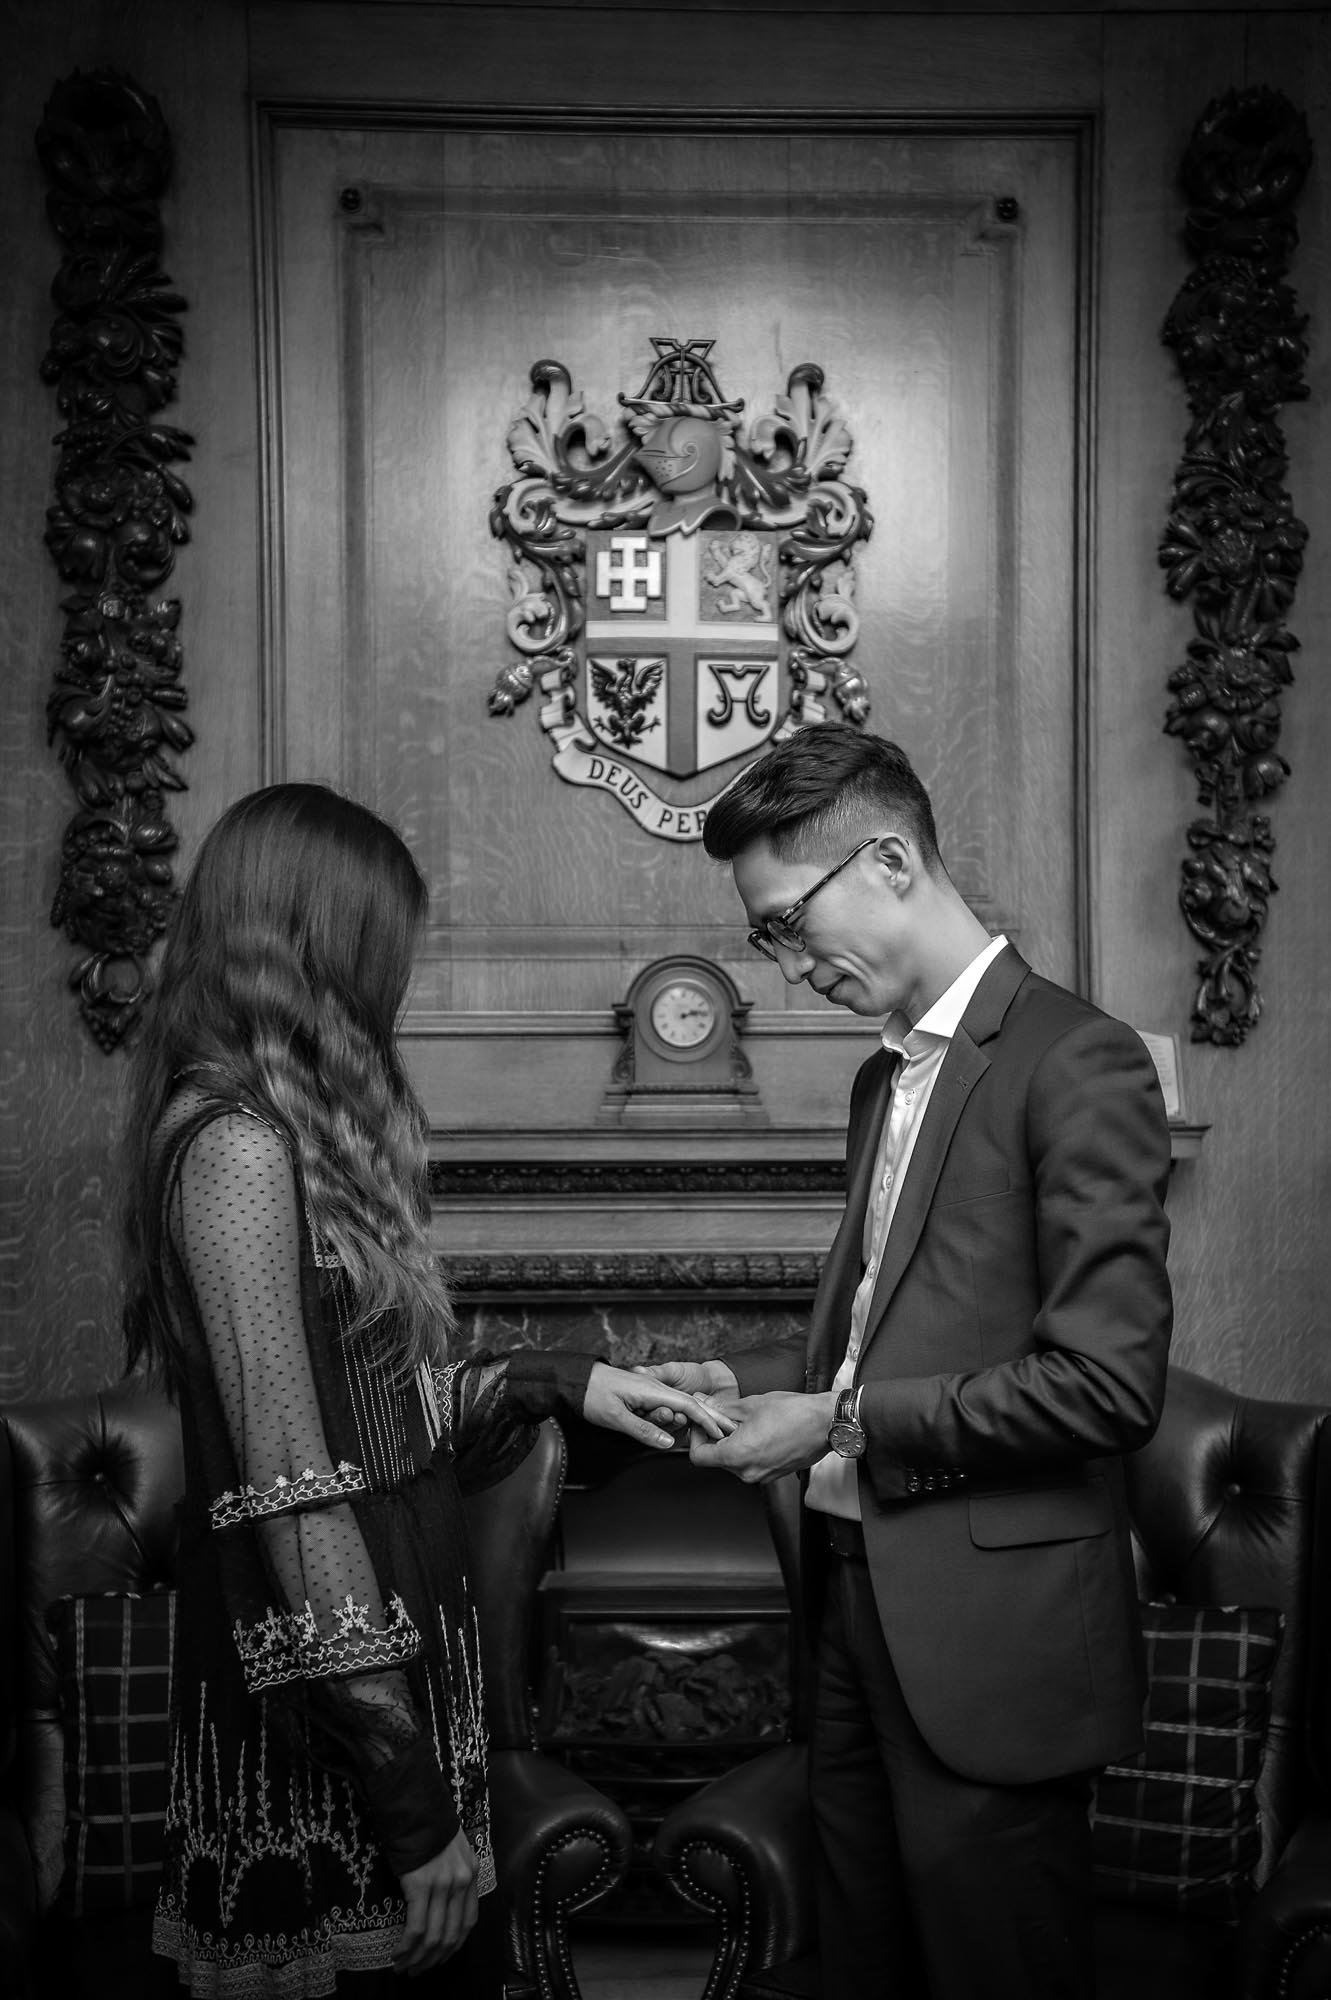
[87, 1496]
[1231, 1504]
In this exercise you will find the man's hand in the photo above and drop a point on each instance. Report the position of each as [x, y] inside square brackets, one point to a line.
[442, 1907]
[699, 1378]
[780, 1432]
[620, 1399]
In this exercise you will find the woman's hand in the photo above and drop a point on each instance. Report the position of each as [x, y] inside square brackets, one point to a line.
[622, 1401]
[707, 1379]
[442, 1906]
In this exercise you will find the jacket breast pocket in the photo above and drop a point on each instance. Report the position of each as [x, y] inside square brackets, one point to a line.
[1041, 1514]
[961, 1185]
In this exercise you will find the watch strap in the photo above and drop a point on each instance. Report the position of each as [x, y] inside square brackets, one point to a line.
[847, 1409]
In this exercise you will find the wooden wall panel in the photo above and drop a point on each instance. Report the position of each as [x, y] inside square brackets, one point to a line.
[402, 338]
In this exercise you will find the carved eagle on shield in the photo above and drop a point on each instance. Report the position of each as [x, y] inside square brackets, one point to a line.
[625, 693]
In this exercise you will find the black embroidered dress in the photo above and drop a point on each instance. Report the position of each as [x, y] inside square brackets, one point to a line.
[328, 1721]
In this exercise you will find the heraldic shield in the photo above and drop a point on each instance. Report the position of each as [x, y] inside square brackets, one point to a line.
[683, 647]
[683, 596]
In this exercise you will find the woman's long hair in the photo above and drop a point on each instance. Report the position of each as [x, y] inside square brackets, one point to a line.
[281, 986]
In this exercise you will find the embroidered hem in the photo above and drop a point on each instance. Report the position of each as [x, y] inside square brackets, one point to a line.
[288, 1645]
[302, 1966]
[309, 1489]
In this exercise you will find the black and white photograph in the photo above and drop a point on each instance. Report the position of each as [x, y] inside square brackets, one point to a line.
[666, 1189]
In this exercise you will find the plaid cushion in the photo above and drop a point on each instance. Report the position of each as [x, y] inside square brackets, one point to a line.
[1178, 1828]
[114, 1658]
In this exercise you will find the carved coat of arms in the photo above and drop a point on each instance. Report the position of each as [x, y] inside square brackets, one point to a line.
[683, 592]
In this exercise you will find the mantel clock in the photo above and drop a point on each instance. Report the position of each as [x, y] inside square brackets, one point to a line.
[681, 1063]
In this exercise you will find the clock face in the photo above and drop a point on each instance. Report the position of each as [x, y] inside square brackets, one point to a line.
[683, 1014]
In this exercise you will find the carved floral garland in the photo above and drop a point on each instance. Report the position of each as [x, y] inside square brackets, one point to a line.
[118, 518]
[1233, 542]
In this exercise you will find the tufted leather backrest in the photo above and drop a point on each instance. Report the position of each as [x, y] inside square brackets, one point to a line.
[509, 1530]
[95, 1484]
[1229, 1506]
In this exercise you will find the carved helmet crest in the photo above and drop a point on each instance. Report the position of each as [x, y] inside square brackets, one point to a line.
[681, 454]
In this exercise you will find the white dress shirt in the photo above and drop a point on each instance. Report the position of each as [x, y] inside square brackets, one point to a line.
[833, 1481]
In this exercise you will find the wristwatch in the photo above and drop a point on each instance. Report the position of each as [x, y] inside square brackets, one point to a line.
[846, 1436]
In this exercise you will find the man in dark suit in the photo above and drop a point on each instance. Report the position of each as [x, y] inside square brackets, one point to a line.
[989, 1336]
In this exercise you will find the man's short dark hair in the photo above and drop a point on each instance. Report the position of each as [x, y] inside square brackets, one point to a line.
[819, 790]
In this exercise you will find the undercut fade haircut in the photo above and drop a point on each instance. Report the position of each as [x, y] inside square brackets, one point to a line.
[817, 793]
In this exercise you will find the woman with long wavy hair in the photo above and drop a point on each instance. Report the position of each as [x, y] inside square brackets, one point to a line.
[328, 1822]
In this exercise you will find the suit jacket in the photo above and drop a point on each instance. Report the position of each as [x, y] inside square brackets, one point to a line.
[1015, 1347]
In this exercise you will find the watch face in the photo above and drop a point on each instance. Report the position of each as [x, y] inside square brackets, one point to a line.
[847, 1439]
[683, 1014]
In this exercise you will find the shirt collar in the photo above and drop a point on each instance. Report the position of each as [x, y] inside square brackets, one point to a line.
[940, 1022]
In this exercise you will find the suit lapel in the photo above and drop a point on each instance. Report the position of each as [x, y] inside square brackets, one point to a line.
[845, 1263]
[860, 1181]
[962, 1067]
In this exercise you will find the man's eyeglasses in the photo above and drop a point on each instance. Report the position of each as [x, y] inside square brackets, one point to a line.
[780, 930]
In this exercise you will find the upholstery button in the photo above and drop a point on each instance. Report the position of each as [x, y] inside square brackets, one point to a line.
[1233, 1490]
[99, 1478]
